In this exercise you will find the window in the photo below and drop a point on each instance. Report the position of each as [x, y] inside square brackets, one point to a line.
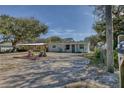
[81, 46]
[54, 46]
[67, 47]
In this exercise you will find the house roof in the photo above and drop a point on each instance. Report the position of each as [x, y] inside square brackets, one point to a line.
[31, 44]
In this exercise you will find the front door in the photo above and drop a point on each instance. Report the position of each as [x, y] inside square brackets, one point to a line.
[73, 48]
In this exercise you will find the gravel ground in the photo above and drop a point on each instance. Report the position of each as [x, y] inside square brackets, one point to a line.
[55, 70]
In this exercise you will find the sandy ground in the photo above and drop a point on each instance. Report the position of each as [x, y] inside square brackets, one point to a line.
[55, 70]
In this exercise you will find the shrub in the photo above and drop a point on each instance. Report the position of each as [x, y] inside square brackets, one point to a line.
[116, 65]
[96, 56]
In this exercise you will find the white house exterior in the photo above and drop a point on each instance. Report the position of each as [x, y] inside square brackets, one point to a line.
[74, 47]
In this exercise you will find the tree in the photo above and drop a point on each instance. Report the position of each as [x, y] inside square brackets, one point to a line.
[104, 28]
[68, 40]
[94, 39]
[53, 39]
[20, 29]
[109, 38]
[40, 40]
[118, 26]
[118, 23]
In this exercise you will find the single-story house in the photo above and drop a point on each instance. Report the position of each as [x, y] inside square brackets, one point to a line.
[69, 47]
[72, 47]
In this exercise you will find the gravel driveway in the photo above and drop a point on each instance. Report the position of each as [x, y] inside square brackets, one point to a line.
[55, 70]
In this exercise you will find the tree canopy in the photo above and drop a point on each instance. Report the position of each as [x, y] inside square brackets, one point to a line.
[118, 22]
[54, 39]
[20, 29]
[94, 39]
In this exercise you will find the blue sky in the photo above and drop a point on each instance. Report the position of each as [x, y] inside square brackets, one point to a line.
[64, 21]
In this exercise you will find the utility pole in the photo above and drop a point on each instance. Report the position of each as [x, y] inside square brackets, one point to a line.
[109, 38]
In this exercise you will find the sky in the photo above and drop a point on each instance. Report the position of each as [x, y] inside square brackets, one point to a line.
[65, 21]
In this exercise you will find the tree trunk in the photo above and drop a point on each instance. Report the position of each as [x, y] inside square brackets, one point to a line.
[109, 38]
[14, 46]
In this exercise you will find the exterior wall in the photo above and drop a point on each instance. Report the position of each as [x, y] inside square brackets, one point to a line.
[58, 48]
[86, 48]
[61, 47]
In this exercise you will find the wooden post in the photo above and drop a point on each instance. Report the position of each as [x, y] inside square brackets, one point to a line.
[121, 70]
[122, 74]
[109, 38]
[121, 63]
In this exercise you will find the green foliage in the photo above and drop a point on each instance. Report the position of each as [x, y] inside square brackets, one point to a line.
[97, 53]
[94, 57]
[118, 23]
[54, 39]
[116, 65]
[20, 29]
[94, 39]
[100, 28]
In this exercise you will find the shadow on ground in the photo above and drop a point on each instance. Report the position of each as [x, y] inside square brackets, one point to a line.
[46, 75]
[55, 72]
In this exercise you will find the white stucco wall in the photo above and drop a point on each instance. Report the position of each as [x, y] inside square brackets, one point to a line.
[61, 47]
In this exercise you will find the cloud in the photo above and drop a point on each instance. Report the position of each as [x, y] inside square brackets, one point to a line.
[70, 30]
[61, 31]
[48, 23]
[89, 14]
[52, 30]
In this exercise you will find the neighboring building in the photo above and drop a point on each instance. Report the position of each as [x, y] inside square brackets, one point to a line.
[6, 47]
[73, 47]
[33, 46]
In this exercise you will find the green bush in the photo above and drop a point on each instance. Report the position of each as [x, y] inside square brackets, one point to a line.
[97, 53]
[116, 59]
[98, 60]
[96, 56]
